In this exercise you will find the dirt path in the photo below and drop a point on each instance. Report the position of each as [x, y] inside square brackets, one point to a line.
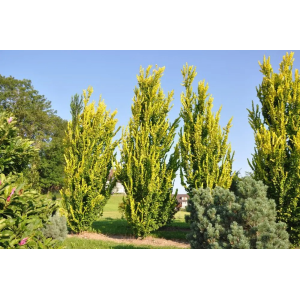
[131, 240]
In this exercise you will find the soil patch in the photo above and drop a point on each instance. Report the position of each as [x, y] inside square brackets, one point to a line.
[131, 240]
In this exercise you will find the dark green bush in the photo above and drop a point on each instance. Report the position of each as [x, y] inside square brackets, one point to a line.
[57, 228]
[245, 219]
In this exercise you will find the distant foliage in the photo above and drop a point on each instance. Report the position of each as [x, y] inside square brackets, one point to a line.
[221, 219]
[51, 158]
[57, 228]
[23, 215]
[276, 127]
[89, 155]
[144, 170]
[205, 155]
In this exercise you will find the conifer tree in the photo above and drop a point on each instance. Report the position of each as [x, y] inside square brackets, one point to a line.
[89, 157]
[243, 219]
[144, 170]
[205, 155]
[276, 160]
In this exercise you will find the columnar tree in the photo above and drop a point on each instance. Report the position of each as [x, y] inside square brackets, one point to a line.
[89, 156]
[205, 155]
[144, 169]
[276, 127]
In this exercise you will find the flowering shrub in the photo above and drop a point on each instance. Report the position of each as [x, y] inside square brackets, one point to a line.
[22, 216]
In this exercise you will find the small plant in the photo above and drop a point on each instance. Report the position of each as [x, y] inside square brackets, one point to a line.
[245, 219]
[121, 209]
[57, 228]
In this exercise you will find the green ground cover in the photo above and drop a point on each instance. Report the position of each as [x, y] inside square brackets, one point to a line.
[77, 243]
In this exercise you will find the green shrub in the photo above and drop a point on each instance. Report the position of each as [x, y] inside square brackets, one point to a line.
[57, 228]
[15, 152]
[22, 215]
[245, 219]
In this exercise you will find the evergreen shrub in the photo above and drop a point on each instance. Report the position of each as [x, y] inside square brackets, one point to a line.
[243, 219]
[57, 228]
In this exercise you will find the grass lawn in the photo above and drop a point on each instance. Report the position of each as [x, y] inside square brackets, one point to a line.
[112, 223]
[77, 243]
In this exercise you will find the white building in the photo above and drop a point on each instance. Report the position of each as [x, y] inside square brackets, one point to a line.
[119, 188]
[182, 200]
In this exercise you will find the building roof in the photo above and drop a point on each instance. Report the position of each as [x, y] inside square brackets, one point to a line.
[180, 196]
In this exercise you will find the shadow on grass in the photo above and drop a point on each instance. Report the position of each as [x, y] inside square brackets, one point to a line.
[110, 226]
[176, 231]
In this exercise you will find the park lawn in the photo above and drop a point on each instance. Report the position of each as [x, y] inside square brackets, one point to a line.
[78, 243]
[112, 223]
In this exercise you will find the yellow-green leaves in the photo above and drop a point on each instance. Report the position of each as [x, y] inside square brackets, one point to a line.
[89, 158]
[206, 159]
[276, 159]
[143, 169]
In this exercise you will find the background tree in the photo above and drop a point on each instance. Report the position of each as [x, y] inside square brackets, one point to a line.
[32, 110]
[89, 155]
[144, 170]
[276, 127]
[52, 163]
[37, 121]
[245, 219]
[76, 108]
[205, 155]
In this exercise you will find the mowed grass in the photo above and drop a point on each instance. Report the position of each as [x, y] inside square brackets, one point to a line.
[77, 243]
[112, 223]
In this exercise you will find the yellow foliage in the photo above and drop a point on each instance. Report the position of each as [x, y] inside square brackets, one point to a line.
[206, 159]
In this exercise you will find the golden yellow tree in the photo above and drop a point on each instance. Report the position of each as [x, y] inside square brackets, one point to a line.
[205, 155]
[144, 170]
[89, 157]
[276, 160]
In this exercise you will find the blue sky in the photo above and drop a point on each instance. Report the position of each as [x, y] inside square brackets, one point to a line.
[232, 77]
